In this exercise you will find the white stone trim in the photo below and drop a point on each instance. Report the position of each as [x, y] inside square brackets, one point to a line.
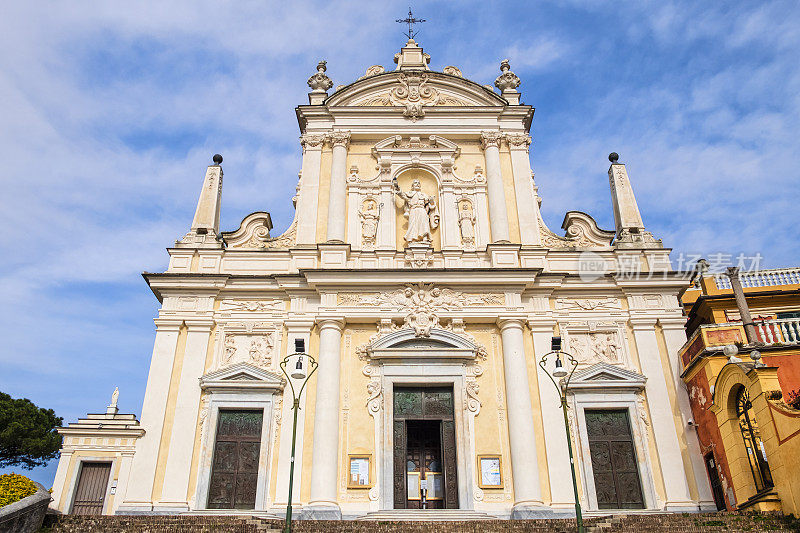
[76, 471]
[623, 399]
[235, 400]
[411, 373]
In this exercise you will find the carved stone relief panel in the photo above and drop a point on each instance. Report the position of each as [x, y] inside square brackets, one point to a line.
[588, 304]
[596, 342]
[254, 343]
[421, 303]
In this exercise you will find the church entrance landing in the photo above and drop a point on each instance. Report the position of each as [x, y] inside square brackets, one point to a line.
[424, 449]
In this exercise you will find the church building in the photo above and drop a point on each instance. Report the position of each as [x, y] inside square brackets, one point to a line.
[420, 276]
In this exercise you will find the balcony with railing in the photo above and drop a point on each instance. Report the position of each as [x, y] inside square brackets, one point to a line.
[775, 277]
[712, 337]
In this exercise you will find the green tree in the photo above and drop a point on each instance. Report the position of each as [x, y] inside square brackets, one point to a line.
[28, 436]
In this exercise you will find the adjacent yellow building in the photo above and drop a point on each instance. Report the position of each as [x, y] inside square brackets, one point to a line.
[741, 366]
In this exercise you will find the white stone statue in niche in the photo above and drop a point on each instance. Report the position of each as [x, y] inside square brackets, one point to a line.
[420, 211]
[369, 215]
[466, 223]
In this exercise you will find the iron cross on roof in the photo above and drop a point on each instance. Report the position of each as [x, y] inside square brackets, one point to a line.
[410, 20]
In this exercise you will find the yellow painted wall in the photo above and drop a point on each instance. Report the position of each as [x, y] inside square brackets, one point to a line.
[308, 438]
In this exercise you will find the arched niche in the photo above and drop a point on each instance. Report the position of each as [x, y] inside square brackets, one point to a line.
[430, 186]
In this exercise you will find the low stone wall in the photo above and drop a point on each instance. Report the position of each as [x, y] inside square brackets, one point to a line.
[26, 515]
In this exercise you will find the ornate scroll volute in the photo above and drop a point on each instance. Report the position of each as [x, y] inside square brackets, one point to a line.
[374, 389]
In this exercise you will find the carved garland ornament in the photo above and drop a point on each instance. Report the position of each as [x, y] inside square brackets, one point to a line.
[414, 94]
[421, 303]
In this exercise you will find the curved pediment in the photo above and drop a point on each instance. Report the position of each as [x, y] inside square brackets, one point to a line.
[414, 90]
[439, 338]
[405, 344]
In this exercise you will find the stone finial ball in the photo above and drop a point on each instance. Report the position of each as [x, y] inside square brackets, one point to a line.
[217, 159]
[613, 157]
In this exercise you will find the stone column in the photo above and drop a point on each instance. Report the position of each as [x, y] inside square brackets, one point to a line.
[741, 304]
[675, 338]
[663, 423]
[524, 458]
[336, 201]
[555, 436]
[325, 458]
[140, 491]
[498, 214]
[174, 494]
[309, 188]
[527, 207]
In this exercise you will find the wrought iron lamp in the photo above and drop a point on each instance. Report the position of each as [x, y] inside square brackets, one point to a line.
[304, 367]
[560, 372]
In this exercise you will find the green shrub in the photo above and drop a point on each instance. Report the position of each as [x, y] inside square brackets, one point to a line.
[14, 487]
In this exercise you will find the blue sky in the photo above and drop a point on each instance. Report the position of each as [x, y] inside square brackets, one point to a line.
[111, 112]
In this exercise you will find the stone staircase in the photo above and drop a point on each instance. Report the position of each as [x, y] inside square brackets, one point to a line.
[634, 523]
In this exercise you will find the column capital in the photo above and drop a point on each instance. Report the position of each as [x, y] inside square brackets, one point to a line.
[299, 325]
[642, 323]
[312, 141]
[327, 322]
[199, 324]
[338, 138]
[539, 325]
[518, 141]
[673, 323]
[491, 138]
[168, 324]
[511, 321]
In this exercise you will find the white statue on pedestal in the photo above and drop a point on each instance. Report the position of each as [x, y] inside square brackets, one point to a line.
[420, 211]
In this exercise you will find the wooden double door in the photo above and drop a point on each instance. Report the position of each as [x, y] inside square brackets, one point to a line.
[234, 471]
[424, 449]
[616, 472]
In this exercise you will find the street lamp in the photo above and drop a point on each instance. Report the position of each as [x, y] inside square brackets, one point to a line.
[561, 372]
[300, 373]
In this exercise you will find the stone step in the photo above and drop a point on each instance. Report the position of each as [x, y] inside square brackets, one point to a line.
[399, 515]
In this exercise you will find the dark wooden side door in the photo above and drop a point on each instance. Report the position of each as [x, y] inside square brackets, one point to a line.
[616, 474]
[91, 491]
[234, 472]
[424, 448]
[716, 485]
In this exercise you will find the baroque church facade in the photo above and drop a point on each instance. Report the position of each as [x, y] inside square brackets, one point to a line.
[419, 273]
